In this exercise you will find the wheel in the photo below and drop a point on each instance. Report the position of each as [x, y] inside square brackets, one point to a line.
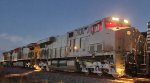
[47, 68]
[99, 74]
[115, 75]
[98, 69]
[87, 72]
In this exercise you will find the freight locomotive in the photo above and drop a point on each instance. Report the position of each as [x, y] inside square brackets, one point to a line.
[109, 45]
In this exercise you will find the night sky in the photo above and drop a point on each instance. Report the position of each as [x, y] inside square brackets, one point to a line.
[26, 21]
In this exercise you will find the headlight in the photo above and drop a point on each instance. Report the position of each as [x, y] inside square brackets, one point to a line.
[128, 32]
[126, 21]
[115, 18]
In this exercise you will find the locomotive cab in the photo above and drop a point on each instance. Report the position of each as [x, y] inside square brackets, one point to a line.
[118, 39]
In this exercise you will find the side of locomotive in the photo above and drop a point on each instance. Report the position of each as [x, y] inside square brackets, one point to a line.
[101, 47]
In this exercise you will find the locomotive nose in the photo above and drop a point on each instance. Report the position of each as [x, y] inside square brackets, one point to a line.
[126, 39]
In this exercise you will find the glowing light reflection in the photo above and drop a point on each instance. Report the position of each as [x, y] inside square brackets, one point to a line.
[17, 75]
[37, 68]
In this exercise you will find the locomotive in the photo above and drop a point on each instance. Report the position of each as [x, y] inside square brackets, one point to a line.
[109, 45]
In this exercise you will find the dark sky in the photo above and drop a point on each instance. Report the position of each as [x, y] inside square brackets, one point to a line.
[26, 21]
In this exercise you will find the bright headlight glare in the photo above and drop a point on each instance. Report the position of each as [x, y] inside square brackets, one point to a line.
[115, 18]
[126, 21]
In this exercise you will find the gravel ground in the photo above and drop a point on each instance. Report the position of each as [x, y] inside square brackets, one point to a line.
[61, 78]
[19, 75]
